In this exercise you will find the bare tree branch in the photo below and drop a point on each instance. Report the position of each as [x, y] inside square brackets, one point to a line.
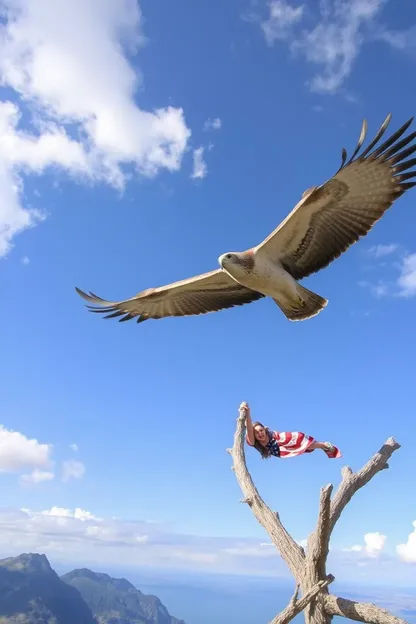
[318, 542]
[296, 606]
[360, 611]
[353, 481]
[289, 550]
[309, 570]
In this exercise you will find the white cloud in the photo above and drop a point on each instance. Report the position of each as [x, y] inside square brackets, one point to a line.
[79, 536]
[62, 512]
[242, 550]
[25, 260]
[378, 290]
[37, 476]
[200, 167]
[282, 17]
[407, 278]
[380, 251]
[72, 469]
[19, 452]
[403, 281]
[356, 548]
[333, 42]
[404, 40]
[74, 447]
[66, 62]
[213, 124]
[82, 537]
[407, 551]
[373, 545]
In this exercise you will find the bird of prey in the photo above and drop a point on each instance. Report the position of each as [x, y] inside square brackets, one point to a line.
[326, 221]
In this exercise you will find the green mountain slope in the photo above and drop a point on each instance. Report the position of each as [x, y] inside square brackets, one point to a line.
[116, 601]
[32, 593]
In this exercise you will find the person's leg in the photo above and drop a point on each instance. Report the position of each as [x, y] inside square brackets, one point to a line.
[325, 446]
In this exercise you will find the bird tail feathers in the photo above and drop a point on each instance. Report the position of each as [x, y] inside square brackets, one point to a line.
[307, 305]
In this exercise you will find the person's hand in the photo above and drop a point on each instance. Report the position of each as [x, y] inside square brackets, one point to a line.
[245, 408]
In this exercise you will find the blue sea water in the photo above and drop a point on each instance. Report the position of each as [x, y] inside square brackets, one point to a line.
[222, 605]
[205, 599]
[221, 599]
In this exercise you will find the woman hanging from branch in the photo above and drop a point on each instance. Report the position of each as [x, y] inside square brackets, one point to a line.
[283, 443]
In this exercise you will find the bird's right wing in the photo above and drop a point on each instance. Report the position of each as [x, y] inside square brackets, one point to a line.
[332, 217]
[209, 292]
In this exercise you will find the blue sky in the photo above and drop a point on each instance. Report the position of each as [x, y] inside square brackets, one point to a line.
[104, 185]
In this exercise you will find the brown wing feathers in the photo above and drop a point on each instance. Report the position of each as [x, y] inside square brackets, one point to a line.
[383, 153]
[344, 219]
[188, 303]
[330, 219]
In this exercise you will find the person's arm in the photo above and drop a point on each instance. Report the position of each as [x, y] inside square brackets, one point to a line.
[249, 424]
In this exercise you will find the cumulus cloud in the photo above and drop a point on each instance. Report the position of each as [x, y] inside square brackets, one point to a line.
[244, 550]
[200, 167]
[407, 551]
[333, 42]
[72, 469]
[67, 64]
[62, 512]
[79, 536]
[281, 20]
[378, 290]
[380, 251]
[37, 476]
[373, 545]
[407, 278]
[213, 124]
[403, 270]
[19, 452]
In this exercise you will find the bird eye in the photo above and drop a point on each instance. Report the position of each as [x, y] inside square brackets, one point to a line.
[229, 256]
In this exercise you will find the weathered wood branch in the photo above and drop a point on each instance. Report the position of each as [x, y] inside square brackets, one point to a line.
[360, 611]
[309, 570]
[288, 548]
[297, 605]
[353, 481]
[318, 542]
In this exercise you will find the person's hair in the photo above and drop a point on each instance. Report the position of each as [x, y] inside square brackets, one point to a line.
[264, 452]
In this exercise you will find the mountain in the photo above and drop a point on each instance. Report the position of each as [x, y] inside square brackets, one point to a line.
[32, 593]
[117, 601]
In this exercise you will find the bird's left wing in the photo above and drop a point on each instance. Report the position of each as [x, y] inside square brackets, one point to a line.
[209, 292]
[330, 218]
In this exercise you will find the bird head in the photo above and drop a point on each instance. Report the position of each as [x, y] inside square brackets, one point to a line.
[237, 264]
[228, 260]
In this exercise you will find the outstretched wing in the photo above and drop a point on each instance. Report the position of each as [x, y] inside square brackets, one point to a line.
[330, 218]
[209, 292]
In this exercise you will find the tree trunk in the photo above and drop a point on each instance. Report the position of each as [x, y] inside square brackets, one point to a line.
[309, 570]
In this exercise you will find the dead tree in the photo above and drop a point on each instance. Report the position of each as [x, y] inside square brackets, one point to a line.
[309, 568]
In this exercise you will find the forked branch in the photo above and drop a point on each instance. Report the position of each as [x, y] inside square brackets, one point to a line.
[288, 548]
[360, 611]
[353, 481]
[310, 571]
[297, 605]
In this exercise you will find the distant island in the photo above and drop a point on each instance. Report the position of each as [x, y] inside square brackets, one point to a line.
[32, 593]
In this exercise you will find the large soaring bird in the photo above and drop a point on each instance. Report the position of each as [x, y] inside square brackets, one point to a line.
[327, 220]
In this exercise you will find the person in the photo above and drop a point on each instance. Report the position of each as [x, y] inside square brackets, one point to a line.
[283, 444]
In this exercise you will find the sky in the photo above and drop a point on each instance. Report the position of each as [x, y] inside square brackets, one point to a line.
[138, 142]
